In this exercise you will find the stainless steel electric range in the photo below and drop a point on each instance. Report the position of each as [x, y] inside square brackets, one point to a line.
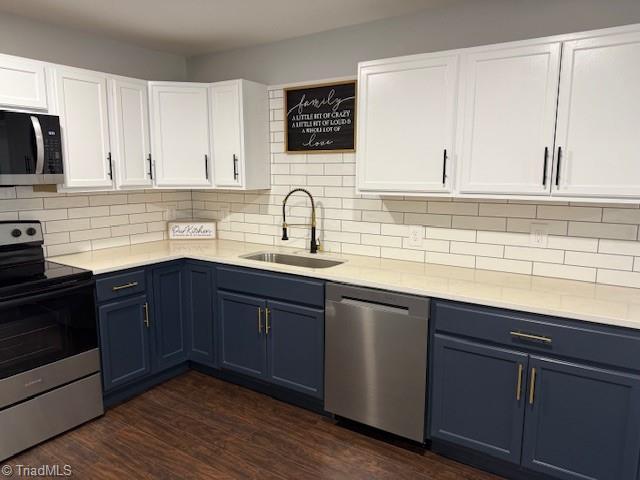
[49, 359]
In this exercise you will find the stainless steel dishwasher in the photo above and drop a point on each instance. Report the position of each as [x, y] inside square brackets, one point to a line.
[376, 358]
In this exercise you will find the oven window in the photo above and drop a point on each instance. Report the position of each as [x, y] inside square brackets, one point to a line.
[43, 329]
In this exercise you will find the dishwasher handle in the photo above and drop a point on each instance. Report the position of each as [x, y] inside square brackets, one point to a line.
[378, 299]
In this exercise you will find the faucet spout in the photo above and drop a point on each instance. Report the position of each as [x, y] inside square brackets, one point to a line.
[314, 243]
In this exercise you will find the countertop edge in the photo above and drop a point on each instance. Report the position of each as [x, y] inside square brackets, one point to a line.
[322, 275]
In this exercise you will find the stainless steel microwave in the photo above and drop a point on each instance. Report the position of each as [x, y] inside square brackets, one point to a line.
[30, 149]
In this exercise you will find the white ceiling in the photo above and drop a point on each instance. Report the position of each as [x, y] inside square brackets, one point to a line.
[190, 27]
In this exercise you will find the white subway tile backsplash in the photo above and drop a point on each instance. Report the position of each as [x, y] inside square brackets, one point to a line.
[477, 249]
[504, 265]
[586, 214]
[507, 210]
[534, 254]
[599, 260]
[402, 254]
[603, 230]
[564, 271]
[619, 247]
[621, 215]
[451, 259]
[451, 234]
[479, 223]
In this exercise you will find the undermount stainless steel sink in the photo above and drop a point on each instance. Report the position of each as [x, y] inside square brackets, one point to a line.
[295, 260]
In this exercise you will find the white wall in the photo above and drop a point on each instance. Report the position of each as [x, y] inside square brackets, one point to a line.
[27, 38]
[463, 24]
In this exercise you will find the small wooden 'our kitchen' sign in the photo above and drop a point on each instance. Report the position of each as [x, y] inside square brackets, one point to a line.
[321, 118]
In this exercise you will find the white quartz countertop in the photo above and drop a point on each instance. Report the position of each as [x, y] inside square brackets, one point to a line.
[589, 302]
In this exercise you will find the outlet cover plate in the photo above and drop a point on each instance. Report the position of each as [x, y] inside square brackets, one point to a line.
[416, 236]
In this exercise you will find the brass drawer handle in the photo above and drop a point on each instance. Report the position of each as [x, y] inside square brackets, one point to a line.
[259, 320]
[529, 336]
[267, 326]
[125, 286]
[532, 387]
[146, 315]
[519, 385]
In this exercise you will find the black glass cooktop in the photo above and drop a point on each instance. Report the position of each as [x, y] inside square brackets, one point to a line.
[54, 274]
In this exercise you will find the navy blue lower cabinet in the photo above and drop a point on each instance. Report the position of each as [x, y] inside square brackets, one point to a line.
[242, 334]
[295, 347]
[478, 396]
[169, 321]
[200, 307]
[124, 340]
[581, 422]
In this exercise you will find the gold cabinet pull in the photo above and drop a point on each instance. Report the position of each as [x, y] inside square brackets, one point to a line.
[146, 315]
[529, 336]
[519, 385]
[532, 386]
[259, 320]
[125, 286]
[267, 326]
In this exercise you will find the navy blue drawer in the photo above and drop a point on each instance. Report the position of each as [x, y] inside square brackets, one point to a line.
[120, 284]
[300, 290]
[574, 339]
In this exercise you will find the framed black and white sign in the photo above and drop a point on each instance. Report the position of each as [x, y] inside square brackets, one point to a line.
[320, 118]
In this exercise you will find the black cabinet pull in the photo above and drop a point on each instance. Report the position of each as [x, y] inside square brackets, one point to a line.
[558, 166]
[150, 166]
[444, 167]
[544, 169]
[206, 166]
[110, 166]
[235, 167]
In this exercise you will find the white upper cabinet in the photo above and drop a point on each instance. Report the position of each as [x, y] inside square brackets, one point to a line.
[598, 135]
[180, 134]
[131, 150]
[406, 124]
[240, 134]
[508, 113]
[84, 121]
[22, 83]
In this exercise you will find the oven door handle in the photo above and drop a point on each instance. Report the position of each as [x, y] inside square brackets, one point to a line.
[44, 294]
[37, 129]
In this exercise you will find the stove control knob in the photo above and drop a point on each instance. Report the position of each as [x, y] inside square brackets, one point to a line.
[16, 232]
[31, 231]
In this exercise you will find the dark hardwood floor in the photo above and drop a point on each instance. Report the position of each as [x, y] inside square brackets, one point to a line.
[195, 426]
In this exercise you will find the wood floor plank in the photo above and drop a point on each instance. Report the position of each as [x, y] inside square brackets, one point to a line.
[195, 426]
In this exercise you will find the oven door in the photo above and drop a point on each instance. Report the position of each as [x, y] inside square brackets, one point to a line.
[47, 338]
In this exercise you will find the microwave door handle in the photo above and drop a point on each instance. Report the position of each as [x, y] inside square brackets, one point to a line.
[35, 121]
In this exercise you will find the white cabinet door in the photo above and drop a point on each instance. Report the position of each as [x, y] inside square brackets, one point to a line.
[227, 128]
[130, 132]
[22, 83]
[180, 134]
[82, 106]
[406, 110]
[508, 112]
[598, 133]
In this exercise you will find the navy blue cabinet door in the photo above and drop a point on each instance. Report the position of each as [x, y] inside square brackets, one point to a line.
[169, 321]
[199, 304]
[295, 346]
[243, 343]
[475, 400]
[124, 341]
[581, 421]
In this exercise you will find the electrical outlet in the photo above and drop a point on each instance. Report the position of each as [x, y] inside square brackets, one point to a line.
[539, 236]
[416, 235]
